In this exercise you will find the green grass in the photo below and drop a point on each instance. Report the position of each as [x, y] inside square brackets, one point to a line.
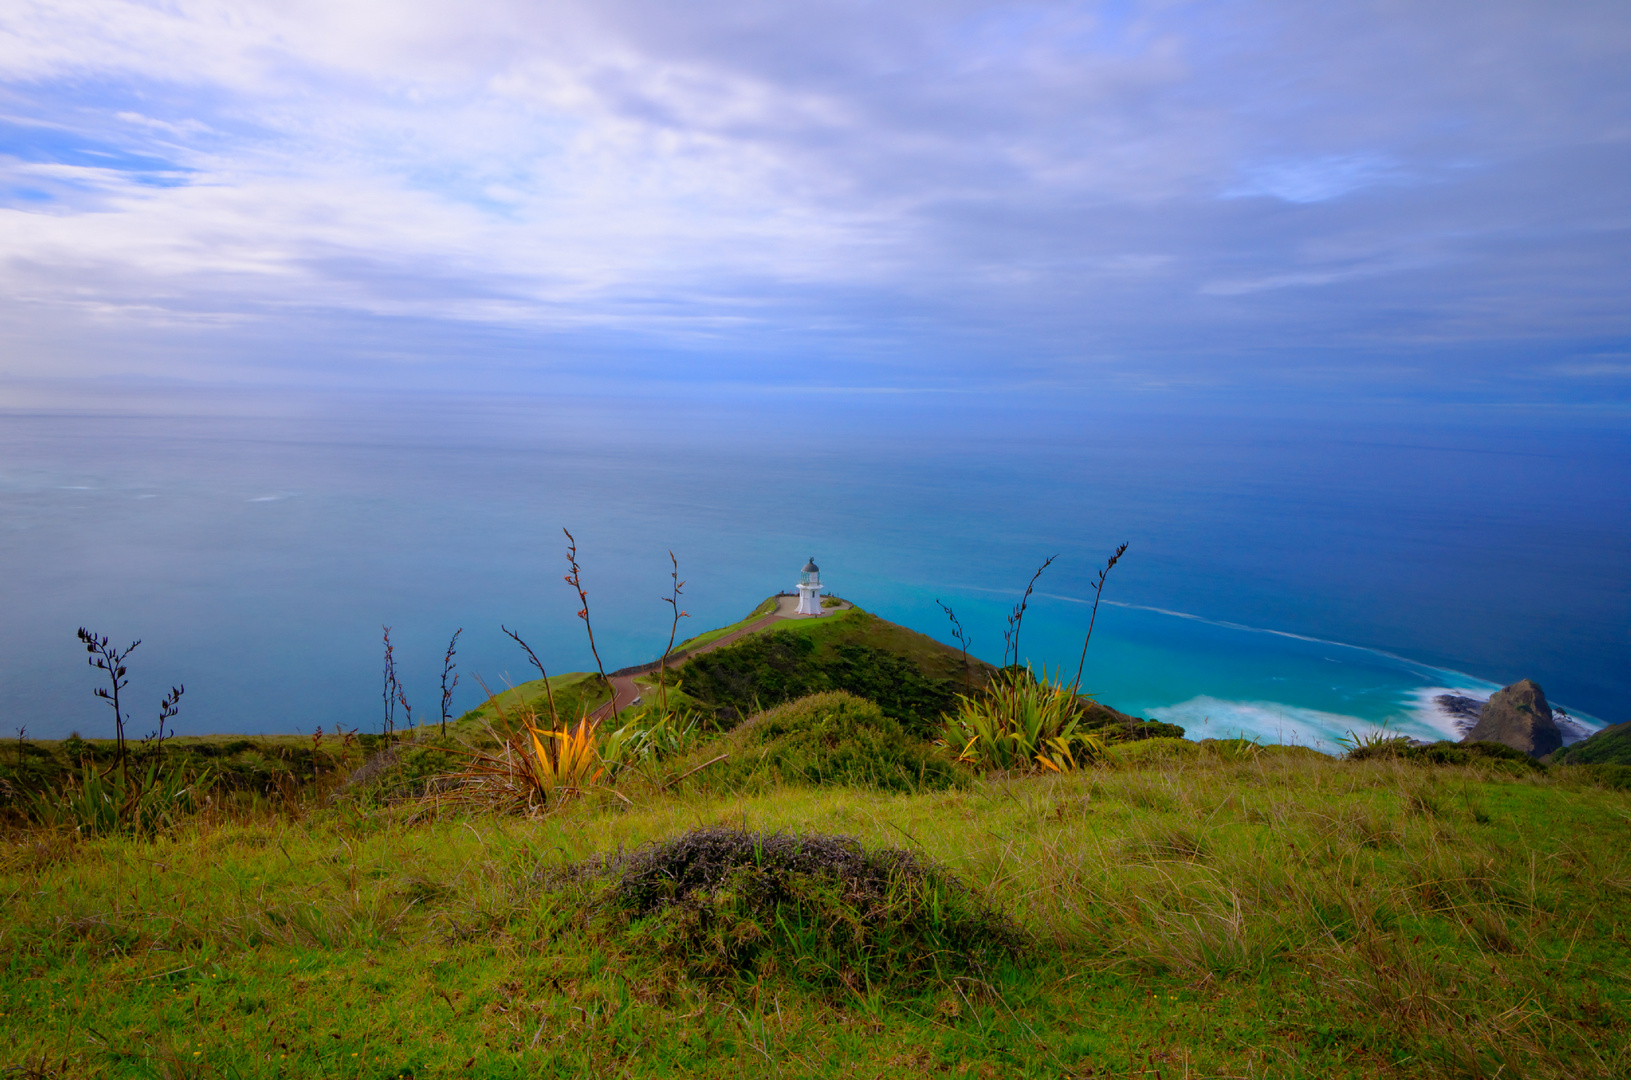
[258, 764]
[575, 693]
[1200, 914]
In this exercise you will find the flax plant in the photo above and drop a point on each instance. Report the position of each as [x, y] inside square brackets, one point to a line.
[536, 764]
[1023, 723]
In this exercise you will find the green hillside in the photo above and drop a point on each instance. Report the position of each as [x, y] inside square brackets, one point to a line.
[912, 677]
[1177, 910]
[1610, 746]
[820, 889]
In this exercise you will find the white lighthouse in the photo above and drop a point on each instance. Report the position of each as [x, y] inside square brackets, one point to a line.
[810, 589]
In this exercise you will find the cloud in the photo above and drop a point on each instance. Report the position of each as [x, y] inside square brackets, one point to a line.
[1314, 180]
[990, 189]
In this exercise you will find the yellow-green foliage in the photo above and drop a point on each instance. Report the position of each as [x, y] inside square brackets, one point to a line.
[575, 693]
[1145, 751]
[828, 738]
[1268, 916]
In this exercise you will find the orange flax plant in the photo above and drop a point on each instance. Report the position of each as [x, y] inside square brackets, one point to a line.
[535, 765]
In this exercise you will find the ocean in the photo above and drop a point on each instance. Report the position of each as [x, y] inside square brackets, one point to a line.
[1291, 575]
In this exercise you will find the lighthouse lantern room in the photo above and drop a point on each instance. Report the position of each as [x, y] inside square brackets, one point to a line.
[810, 589]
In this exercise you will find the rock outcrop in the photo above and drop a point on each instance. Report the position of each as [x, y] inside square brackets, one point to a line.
[1520, 717]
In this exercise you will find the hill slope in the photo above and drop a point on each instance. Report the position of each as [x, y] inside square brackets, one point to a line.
[1610, 746]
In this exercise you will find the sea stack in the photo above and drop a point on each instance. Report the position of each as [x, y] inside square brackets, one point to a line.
[1520, 717]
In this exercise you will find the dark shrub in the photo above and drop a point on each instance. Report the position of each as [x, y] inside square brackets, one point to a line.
[824, 909]
[1445, 753]
[767, 669]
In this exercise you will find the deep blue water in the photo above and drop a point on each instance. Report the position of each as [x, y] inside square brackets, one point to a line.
[257, 546]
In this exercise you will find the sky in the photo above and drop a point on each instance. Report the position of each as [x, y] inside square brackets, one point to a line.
[1412, 200]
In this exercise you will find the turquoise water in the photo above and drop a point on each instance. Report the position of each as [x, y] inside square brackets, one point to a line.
[258, 554]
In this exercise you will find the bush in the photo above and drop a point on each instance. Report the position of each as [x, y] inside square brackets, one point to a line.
[1443, 753]
[1612, 776]
[768, 669]
[725, 903]
[833, 738]
[1610, 746]
[1147, 750]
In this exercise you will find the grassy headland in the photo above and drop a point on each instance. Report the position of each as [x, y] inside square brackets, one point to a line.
[1170, 909]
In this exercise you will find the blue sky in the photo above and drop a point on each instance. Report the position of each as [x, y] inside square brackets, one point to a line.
[1421, 200]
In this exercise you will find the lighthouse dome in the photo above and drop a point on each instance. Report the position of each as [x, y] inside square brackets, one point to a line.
[810, 567]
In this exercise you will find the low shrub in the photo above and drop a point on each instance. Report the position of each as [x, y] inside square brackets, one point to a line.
[725, 904]
[1442, 753]
[832, 738]
[1147, 750]
[1239, 749]
[1610, 746]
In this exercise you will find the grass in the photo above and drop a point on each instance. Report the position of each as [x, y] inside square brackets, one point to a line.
[826, 738]
[258, 764]
[1207, 913]
[575, 693]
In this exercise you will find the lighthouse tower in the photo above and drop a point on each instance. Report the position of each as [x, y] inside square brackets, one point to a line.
[810, 589]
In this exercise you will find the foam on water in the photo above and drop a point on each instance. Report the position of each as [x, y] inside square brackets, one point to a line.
[1206, 717]
[1427, 713]
[1450, 711]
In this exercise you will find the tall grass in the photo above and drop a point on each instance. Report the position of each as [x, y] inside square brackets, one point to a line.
[1273, 916]
[141, 802]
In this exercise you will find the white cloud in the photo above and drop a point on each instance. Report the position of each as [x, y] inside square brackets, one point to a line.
[1313, 180]
[1042, 175]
